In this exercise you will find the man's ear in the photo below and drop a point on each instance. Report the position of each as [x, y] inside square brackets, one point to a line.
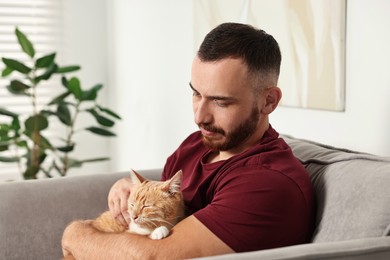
[272, 97]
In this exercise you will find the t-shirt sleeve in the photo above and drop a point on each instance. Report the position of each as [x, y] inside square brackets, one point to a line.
[252, 210]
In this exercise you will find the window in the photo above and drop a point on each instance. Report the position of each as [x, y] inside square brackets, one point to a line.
[41, 21]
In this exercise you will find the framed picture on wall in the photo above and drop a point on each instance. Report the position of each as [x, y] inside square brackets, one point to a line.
[311, 35]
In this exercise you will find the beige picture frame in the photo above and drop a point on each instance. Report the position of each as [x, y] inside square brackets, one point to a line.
[311, 35]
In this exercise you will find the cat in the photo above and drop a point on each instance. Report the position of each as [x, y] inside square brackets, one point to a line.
[154, 208]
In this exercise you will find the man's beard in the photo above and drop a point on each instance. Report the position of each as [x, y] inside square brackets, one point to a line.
[234, 138]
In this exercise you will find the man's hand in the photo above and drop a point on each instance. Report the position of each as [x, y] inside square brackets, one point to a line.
[117, 200]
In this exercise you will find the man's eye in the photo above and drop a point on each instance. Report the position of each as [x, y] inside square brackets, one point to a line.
[220, 103]
[195, 94]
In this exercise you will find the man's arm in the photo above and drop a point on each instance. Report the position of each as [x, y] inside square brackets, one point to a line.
[188, 239]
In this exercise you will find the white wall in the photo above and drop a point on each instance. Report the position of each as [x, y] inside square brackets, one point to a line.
[365, 124]
[150, 58]
[150, 49]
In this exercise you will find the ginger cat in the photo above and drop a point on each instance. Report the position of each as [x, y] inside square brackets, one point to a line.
[154, 208]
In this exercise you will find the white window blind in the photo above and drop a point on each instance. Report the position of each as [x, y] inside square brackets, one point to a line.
[41, 21]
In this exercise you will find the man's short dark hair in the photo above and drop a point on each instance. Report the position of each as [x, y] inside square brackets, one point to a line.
[259, 50]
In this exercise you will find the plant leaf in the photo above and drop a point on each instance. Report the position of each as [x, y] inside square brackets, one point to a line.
[75, 88]
[6, 71]
[45, 61]
[100, 131]
[19, 88]
[6, 112]
[36, 123]
[65, 82]
[47, 74]
[22, 144]
[3, 147]
[44, 143]
[73, 163]
[66, 149]
[25, 43]
[4, 137]
[109, 112]
[95, 159]
[102, 120]
[15, 124]
[67, 69]
[16, 65]
[59, 98]
[91, 94]
[47, 113]
[4, 128]
[9, 159]
[63, 114]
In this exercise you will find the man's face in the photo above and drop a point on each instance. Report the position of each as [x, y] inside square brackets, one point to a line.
[225, 107]
[233, 138]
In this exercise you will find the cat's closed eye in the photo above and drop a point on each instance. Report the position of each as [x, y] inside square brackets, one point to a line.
[149, 214]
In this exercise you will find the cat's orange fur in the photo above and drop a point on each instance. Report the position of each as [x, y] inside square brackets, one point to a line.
[154, 208]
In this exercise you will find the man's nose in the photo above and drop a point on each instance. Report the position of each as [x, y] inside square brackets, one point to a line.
[202, 113]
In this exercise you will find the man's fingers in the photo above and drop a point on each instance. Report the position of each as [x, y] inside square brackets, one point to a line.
[117, 208]
[117, 200]
[124, 210]
[117, 212]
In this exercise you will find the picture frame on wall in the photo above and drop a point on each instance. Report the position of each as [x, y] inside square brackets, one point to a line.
[311, 36]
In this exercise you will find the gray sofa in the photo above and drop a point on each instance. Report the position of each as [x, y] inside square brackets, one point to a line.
[352, 193]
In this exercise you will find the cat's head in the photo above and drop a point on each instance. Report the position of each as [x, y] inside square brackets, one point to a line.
[155, 203]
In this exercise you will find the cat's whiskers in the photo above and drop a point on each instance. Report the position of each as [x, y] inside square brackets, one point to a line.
[161, 221]
[147, 221]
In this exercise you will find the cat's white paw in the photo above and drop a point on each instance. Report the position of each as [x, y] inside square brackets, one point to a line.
[159, 233]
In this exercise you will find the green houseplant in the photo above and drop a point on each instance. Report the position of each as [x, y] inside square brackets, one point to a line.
[22, 136]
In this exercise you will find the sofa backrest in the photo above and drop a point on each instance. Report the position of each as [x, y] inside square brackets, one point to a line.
[352, 191]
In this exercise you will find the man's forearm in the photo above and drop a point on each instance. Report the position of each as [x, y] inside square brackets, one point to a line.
[188, 239]
[85, 242]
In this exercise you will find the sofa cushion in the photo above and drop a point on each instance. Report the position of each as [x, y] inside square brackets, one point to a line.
[34, 213]
[352, 191]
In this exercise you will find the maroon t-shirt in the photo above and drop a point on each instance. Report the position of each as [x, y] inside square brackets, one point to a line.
[261, 198]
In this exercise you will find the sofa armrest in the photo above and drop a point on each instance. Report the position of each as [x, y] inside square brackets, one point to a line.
[34, 214]
[357, 249]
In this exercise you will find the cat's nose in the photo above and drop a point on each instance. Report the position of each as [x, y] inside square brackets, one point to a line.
[135, 218]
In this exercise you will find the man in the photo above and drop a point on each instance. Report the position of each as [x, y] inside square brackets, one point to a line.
[243, 187]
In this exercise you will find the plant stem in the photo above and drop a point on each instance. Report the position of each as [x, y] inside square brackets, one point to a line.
[16, 152]
[69, 138]
[36, 149]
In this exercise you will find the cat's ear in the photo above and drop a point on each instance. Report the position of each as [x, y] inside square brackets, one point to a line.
[136, 178]
[173, 184]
